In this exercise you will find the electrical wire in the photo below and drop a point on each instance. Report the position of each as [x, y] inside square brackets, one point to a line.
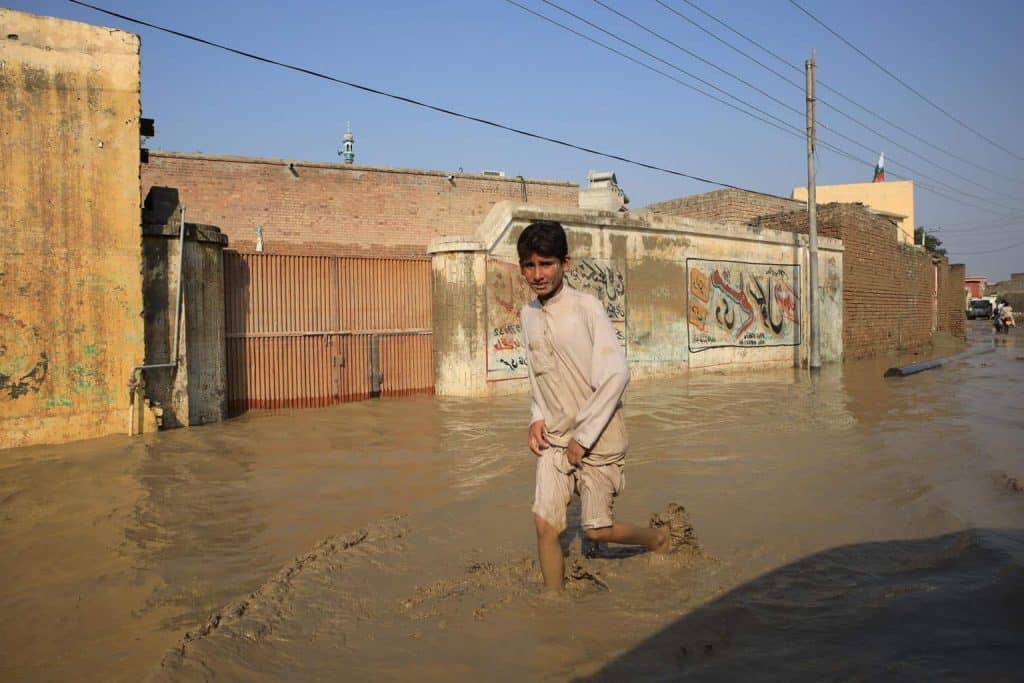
[987, 251]
[796, 130]
[438, 109]
[822, 101]
[978, 229]
[823, 84]
[999, 221]
[418, 103]
[904, 83]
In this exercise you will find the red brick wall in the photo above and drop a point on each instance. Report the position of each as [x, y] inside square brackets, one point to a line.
[952, 301]
[337, 209]
[725, 206]
[887, 287]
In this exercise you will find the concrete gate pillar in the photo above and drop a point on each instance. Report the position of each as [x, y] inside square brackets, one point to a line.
[195, 392]
[459, 316]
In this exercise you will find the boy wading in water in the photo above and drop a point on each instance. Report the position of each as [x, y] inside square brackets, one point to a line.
[578, 374]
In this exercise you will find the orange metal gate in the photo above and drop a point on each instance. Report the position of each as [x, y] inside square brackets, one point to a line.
[316, 330]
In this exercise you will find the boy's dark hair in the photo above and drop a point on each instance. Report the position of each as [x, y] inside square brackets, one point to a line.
[544, 238]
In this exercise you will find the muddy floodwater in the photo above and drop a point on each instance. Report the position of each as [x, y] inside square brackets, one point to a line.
[851, 528]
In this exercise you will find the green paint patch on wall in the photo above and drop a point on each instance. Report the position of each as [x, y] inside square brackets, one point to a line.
[13, 366]
[59, 402]
[89, 350]
[87, 382]
[95, 280]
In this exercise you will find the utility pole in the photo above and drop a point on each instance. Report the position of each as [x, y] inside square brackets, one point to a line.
[812, 222]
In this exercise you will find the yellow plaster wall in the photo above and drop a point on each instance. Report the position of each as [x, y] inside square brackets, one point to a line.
[894, 197]
[70, 252]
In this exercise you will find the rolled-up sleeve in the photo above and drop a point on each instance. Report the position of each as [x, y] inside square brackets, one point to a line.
[609, 377]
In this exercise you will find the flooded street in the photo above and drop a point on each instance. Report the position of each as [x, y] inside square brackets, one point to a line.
[852, 527]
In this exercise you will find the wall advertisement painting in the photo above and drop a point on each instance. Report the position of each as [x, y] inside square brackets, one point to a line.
[740, 304]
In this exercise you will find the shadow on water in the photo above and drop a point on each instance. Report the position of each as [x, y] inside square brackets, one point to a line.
[948, 607]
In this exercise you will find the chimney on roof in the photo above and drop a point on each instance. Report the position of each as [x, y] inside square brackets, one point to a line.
[603, 193]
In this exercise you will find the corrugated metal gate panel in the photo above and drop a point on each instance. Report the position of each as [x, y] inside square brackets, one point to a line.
[406, 364]
[299, 329]
[384, 294]
[354, 380]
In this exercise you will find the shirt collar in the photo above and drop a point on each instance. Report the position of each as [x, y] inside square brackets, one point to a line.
[558, 297]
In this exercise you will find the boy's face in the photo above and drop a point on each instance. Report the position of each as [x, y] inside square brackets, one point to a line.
[544, 274]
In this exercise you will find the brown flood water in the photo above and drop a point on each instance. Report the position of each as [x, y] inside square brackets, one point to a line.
[853, 527]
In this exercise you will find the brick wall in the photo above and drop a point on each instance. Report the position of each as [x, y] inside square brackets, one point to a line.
[314, 208]
[951, 301]
[887, 287]
[725, 206]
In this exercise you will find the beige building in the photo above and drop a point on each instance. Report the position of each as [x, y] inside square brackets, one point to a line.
[891, 199]
[70, 329]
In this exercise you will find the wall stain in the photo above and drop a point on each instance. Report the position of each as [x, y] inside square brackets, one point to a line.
[31, 381]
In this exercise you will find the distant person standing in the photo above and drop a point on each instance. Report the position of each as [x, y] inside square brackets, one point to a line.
[578, 375]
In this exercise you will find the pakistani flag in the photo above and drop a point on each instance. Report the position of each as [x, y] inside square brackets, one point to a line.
[880, 169]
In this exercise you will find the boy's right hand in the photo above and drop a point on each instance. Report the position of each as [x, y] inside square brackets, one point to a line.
[536, 439]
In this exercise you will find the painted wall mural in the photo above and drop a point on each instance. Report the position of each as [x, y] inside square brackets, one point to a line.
[605, 279]
[733, 303]
[507, 293]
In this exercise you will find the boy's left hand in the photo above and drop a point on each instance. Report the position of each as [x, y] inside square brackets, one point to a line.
[574, 454]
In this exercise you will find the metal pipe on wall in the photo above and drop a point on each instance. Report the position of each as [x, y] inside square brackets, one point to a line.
[135, 382]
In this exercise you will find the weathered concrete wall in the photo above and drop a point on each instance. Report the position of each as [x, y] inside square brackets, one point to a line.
[195, 392]
[682, 295]
[338, 209]
[460, 316]
[70, 329]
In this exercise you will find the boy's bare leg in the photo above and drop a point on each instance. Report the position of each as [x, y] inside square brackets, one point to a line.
[549, 549]
[656, 540]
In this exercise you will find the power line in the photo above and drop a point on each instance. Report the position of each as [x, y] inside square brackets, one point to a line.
[692, 54]
[917, 183]
[796, 84]
[449, 112]
[409, 100]
[798, 131]
[904, 83]
[824, 85]
[1001, 220]
[989, 251]
[977, 229]
[790, 128]
[800, 86]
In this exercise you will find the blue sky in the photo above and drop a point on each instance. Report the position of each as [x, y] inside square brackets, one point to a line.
[490, 59]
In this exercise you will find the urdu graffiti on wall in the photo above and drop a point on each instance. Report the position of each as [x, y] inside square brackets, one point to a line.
[606, 280]
[734, 303]
[507, 293]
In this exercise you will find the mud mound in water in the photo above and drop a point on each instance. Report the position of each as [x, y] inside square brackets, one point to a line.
[394, 597]
[682, 536]
[257, 617]
[1012, 484]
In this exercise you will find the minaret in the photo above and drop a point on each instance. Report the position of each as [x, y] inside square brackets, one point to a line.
[348, 146]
